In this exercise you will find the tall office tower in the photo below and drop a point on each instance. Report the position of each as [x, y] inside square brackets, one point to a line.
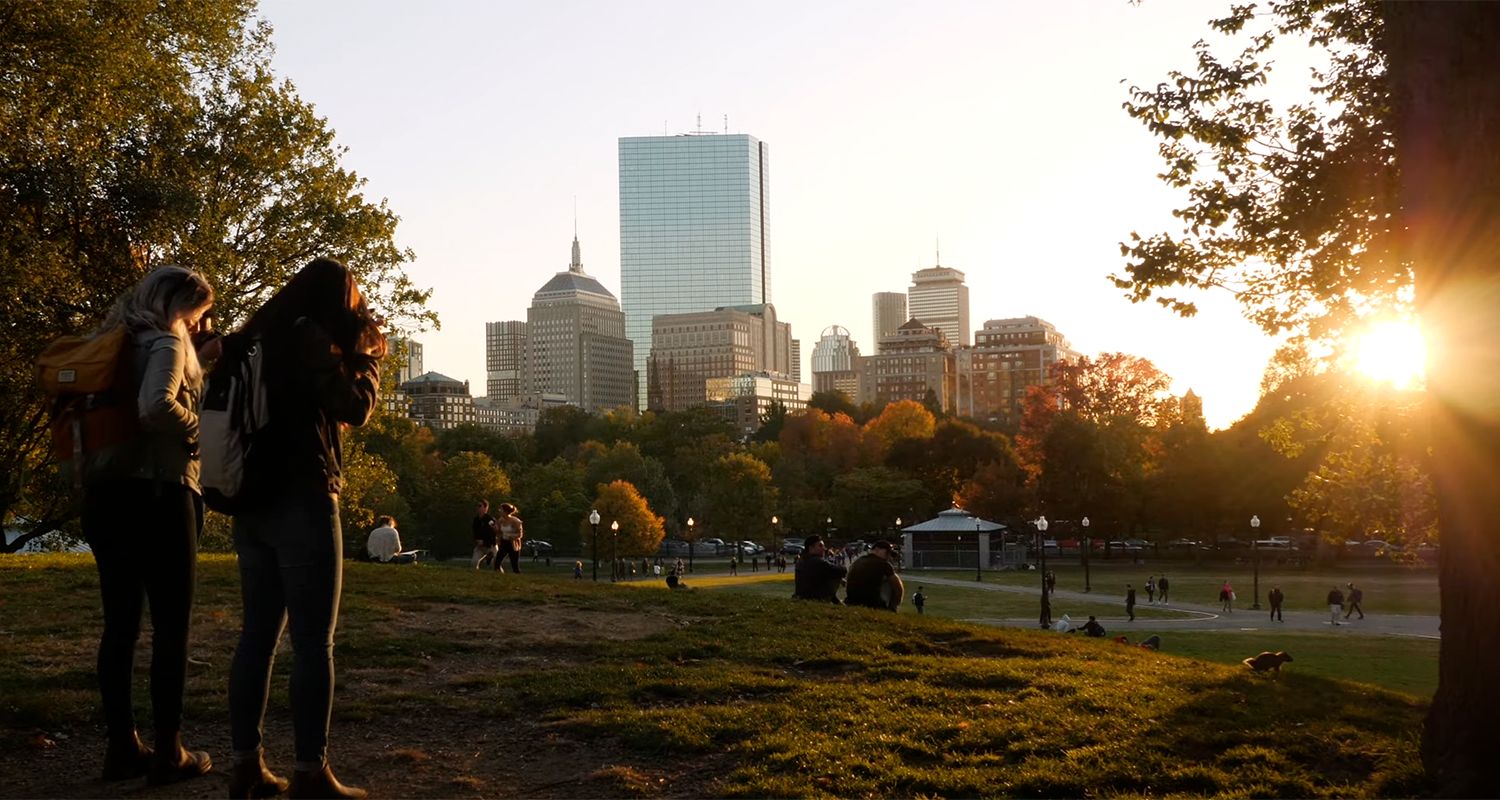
[689, 349]
[796, 366]
[833, 359]
[1008, 356]
[693, 229]
[888, 313]
[576, 345]
[504, 360]
[411, 361]
[939, 299]
[912, 361]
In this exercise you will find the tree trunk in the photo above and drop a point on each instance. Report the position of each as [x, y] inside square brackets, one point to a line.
[1444, 59]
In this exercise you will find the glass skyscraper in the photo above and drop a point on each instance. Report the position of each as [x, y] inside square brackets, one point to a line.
[693, 230]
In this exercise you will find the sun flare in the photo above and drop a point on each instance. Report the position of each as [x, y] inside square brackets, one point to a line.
[1393, 353]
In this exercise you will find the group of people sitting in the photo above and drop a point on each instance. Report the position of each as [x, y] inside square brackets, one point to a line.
[870, 581]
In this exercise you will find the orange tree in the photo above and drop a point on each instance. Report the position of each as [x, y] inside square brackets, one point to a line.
[641, 530]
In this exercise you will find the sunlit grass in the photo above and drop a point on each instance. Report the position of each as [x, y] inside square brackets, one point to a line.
[783, 698]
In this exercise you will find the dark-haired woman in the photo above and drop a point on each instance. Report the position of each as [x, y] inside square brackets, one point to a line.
[142, 513]
[322, 350]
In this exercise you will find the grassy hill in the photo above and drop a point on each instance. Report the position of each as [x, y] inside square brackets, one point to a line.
[454, 683]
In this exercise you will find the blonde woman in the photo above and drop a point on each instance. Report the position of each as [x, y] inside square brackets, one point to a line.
[142, 513]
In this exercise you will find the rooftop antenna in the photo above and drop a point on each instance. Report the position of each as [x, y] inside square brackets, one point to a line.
[575, 216]
[726, 124]
[937, 245]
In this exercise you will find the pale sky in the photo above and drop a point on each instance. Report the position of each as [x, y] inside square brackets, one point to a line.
[995, 127]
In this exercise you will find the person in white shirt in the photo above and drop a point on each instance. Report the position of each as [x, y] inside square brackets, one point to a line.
[384, 544]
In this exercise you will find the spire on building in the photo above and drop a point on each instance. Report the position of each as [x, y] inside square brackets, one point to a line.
[577, 264]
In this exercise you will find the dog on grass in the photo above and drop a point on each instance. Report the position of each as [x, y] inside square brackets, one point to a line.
[1268, 661]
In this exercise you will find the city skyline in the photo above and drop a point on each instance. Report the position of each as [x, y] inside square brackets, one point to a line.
[920, 124]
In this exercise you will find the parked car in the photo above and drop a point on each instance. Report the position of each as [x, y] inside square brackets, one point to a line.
[750, 548]
[1137, 543]
[537, 547]
[791, 548]
[674, 547]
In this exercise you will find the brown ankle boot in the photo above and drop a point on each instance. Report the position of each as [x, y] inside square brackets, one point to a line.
[172, 762]
[126, 758]
[321, 784]
[252, 779]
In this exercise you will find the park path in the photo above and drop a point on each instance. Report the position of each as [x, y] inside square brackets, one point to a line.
[1197, 617]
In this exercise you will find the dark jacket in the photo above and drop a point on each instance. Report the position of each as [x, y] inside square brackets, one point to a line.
[817, 579]
[1335, 598]
[312, 387]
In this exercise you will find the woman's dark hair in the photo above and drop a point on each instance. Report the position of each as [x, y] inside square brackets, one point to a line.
[507, 509]
[324, 292]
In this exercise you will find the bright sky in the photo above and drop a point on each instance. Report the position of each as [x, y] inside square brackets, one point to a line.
[995, 127]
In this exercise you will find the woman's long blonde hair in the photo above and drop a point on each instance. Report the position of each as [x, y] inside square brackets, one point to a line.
[157, 299]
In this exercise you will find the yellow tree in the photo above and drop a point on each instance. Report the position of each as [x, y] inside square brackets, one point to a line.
[641, 530]
[904, 419]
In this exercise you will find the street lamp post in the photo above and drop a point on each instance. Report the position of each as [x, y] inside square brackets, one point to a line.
[1041, 540]
[691, 542]
[594, 521]
[1087, 546]
[614, 553]
[1255, 549]
[978, 552]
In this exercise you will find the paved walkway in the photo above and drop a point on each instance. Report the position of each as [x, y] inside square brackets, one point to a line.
[1198, 617]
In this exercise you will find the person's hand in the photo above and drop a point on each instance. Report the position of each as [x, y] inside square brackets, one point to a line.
[209, 346]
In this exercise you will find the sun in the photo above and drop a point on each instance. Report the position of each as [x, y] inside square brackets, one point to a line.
[1393, 353]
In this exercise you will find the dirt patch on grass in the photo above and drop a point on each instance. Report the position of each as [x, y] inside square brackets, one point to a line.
[428, 731]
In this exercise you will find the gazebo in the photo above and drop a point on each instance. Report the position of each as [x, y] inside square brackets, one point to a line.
[954, 539]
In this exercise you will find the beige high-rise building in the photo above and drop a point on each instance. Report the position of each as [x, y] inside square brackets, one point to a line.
[911, 362]
[576, 346]
[888, 312]
[504, 360]
[1008, 356]
[939, 299]
[689, 349]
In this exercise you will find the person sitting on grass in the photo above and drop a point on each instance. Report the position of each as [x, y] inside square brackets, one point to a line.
[1093, 629]
[815, 577]
[384, 544]
[873, 582]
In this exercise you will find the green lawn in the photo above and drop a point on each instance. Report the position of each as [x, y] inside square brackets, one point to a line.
[453, 683]
[1388, 590]
[952, 602]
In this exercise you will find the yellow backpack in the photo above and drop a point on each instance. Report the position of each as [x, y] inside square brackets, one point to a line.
[93, 396]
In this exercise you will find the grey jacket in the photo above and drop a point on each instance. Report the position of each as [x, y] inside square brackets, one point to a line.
[167, 402]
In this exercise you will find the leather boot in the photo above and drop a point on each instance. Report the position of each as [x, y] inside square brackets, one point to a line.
[252, 779]
[126, 758]
[322, 785]
[172, 762]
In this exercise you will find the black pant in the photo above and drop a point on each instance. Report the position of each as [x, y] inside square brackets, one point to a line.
[291, 568]
[1354, 608]
[1276, 612]
[144, 536]
[511, 549]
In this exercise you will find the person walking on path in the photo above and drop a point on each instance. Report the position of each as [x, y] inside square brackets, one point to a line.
[323, 348]
[1130, 601]
[1276, 598]
[511, 531]
[919, 600]
[734, 568]
[1356, 596]
[1335, 605]
[142, 516]
[1226, 598]
[1161, 587]
[484, 535]
[1151, 590]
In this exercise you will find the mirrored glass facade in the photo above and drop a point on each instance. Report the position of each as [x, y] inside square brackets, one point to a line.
[693, 229]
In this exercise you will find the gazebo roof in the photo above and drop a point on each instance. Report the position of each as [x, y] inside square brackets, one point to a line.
[955, 520]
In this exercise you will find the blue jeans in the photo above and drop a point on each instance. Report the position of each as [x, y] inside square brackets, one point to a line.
[291, 568]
